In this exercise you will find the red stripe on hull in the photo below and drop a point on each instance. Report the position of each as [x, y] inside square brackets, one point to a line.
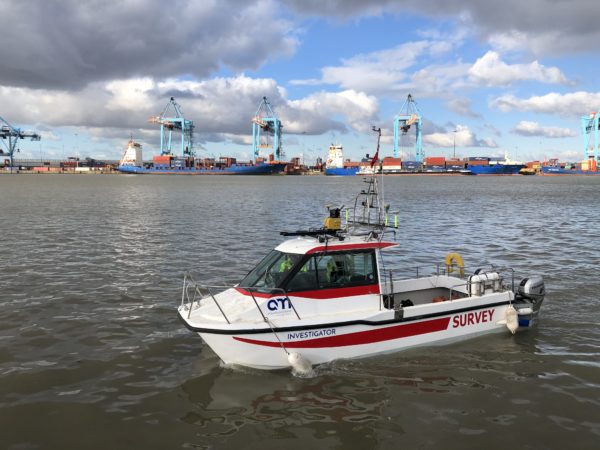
[361, 337]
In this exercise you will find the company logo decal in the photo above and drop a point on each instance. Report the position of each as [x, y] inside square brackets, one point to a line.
[279, 305]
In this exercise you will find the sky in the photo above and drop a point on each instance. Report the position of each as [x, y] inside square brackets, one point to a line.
[488, 77]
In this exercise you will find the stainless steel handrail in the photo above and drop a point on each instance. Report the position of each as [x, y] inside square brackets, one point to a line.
[188, 299]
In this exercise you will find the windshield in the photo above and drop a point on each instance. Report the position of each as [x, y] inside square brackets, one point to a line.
[271, 271]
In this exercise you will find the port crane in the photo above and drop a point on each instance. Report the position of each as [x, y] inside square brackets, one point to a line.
[589, 125]
[13, 134]
[409, 115]
[170, 120]
[267, 123]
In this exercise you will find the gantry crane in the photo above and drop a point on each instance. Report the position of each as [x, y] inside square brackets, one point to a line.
[589, 125]
[7, 131]
[266, 122]
[409, 115]
[171, 119]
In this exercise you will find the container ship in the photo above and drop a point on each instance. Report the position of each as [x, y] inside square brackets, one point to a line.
[132, 162]
[336, 165]
[171, 120]
[433, 165]
[586, 167]
[590, 127]
[481, 165]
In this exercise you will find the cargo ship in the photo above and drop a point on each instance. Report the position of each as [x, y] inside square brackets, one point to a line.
[586, 167]
[335, 164]
[481, 165]
[132, 163]
[433, 165]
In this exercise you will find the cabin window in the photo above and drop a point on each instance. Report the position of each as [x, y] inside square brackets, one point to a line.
[271, 271]
[335, 270]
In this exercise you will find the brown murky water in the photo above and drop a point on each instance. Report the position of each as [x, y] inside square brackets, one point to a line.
[92, 354]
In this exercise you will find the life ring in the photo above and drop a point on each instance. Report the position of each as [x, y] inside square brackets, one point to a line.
[454, 259]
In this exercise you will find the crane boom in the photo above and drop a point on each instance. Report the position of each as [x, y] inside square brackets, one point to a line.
[13, 134]
[589, 126]
[171, 119]
[265, 122]
[410, 115]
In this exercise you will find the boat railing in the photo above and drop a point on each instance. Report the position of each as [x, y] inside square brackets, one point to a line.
[437, 269]
[194, 293]
[427, 270]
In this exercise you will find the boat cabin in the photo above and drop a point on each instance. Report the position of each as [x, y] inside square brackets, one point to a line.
[305, 264]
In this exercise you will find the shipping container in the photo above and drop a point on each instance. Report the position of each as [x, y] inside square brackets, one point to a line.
[478, 158]
[435, 160]
[478, 163]
[164, 160]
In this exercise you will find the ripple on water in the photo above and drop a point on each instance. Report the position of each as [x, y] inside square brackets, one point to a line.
[90, 336]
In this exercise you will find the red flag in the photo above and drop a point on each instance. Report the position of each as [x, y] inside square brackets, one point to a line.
[375, 158]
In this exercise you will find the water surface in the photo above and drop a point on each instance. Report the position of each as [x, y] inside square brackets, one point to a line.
[92, 354]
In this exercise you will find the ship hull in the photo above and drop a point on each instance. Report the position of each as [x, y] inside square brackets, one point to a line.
[326, 342]
[258, 169]
[496, 169]
[563, 171]
[342, 171]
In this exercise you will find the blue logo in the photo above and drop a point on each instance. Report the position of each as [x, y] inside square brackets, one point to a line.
[279, 304]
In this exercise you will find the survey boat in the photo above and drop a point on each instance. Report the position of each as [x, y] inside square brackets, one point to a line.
[329, 293]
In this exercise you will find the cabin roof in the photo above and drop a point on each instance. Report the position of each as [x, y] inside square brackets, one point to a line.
[307, 245]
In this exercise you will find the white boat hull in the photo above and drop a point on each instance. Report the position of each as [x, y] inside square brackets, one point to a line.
[269, 350]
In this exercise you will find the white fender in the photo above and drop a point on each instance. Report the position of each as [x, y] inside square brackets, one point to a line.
[300, 365]
[511, 317]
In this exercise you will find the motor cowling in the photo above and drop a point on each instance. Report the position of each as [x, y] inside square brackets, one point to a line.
[532, 288]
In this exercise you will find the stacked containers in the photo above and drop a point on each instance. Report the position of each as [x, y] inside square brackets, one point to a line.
[479, 161]
[410, 166]
[435, 163]
[455, 164]
[162, 160]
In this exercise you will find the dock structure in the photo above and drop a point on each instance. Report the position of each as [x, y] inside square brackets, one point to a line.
[409, 115]
[171, 119]
[266, 122]
[13, 134]
[589, 127]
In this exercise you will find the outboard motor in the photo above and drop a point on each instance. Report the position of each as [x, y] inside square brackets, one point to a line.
[532, 288]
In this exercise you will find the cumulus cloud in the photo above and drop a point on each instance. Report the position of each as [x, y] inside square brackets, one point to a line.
[490, 70]
[67, 44]
[552, 103]
[221, 108]
[541, 26]
[384, 69]
[392, 71]
[462, 135]
[462, 106]
[527, 128]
